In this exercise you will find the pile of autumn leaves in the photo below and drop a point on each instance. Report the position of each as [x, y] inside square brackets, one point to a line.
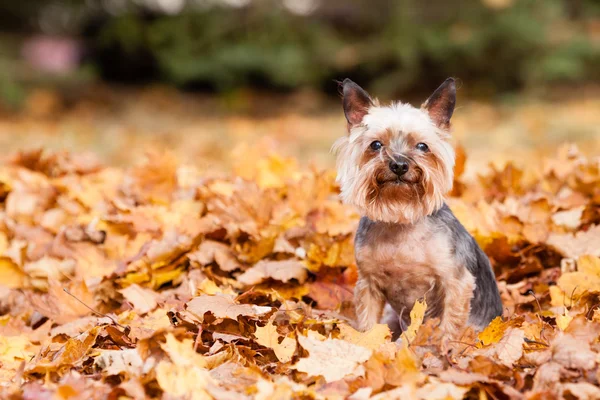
[161, 281]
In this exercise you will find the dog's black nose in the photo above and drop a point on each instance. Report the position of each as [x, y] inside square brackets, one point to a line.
[399, 167]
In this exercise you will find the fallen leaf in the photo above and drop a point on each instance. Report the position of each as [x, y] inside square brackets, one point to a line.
[143, 300]
[417, 314]
[267, 336]
[509, 349]
[183, 381]
[223, 306]
[115, 362]
[371, 339]
[283, 271]
[331, 358]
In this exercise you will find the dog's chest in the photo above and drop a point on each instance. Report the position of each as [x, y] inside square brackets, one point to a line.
[405, 262]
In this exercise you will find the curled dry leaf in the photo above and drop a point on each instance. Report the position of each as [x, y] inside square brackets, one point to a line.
[211, 251]
[115, 362]
[223, 306]
[283, 271]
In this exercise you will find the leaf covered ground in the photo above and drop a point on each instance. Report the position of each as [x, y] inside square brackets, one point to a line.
[160, 281]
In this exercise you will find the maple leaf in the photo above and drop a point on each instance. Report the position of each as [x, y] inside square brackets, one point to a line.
[223, 306]
[269, 337]
[68, 354]
[283, 271]
[212, 251]
[580, 244]
[585, 280]
[62, 305]
[371, 339]
[331, 358]
[509, 349]
[115, 362]
[183, 381]
[143, 300]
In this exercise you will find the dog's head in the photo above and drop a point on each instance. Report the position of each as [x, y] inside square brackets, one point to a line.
[396, 164]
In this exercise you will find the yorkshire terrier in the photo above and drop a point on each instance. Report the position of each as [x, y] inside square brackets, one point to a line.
[396, 165]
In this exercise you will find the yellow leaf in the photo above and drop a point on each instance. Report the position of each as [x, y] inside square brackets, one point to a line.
[183, 381]
[589, 265]
[182, 352]
[13, 351]
[371, 339]
[267, 336]
[585, 280]
[493, 332]
[10, 274]
[563, 320]
[416, 320]
[557, 296]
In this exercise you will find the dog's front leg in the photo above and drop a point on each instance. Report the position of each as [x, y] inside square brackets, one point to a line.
[457, 305]
[369, 303]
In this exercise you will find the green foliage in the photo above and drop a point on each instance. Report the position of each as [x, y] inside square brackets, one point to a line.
[527, 42]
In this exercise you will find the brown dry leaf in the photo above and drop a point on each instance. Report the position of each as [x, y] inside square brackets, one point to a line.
[143, 300]
[331, 358]
[115, 362]
[62, 306]
[283, 271]
[68, 354]
[223, 306]
[573, 353]
[580, 244]
[509, 349]
[211, 251]
[581, 391]
[47, 269]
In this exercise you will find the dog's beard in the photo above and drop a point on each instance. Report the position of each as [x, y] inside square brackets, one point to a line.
[383, 196]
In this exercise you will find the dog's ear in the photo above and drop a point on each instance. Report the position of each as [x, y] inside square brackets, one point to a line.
[440, 105]
[356, 102]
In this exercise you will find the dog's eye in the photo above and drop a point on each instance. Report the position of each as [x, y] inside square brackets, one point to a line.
[376, 145]
[422, 147]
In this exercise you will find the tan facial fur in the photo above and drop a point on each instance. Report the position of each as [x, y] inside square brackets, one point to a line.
[365, 178]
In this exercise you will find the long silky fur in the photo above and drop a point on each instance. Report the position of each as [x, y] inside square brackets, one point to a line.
[358, 181]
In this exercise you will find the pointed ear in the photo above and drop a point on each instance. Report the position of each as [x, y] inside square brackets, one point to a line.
[440, 105]
[356, 102]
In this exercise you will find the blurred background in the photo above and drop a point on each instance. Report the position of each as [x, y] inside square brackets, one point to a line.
[207, 77]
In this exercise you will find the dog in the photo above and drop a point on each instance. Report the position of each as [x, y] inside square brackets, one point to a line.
[395, 165]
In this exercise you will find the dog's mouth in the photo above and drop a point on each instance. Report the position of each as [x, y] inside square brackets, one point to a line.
[395, 180]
